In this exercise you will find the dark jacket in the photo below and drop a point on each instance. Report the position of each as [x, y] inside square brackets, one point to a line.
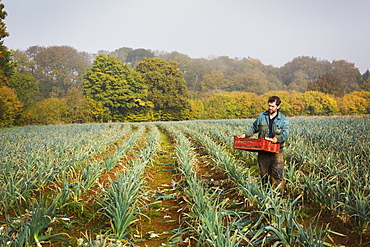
[280, 127]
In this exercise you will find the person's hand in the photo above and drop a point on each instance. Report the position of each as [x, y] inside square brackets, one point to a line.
[273, 140]
[242, 136]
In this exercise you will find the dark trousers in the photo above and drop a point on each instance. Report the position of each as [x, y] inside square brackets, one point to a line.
[272, 168]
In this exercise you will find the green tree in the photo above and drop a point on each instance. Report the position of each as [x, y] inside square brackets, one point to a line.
[254, 82]
[356, 102]
[230, 105]
[191, 68]
[25, 64]
[121, 53]
[243, 105]
[302, 70]
[317, 103]
[56, 68]
[167, 88]
[25, 87]
[365, 75]
[215, 107]
[215, 81]
[366, 85]
[348, 75]
[79, 109]
[196, 109]
[22, 81]
[116, 89]
[10, 106]
[329, 84]
[194, 73]
[49, 111]
[135, 56]
[6, 64]
[353, 103]
[299, 83]
[274, 83]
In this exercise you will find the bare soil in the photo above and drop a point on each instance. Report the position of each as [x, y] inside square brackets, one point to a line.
[164, 214]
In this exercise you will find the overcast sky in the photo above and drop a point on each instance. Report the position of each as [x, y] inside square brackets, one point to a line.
[274, 31]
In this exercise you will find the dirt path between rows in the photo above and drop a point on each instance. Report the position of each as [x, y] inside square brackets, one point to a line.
[163, 216]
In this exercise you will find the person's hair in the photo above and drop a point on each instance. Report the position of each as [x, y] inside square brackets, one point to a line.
[274, 99]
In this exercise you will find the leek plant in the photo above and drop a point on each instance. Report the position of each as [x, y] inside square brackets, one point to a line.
[31, 228]
[212, 229]
[125, 198]
[18, 183]
[290, 233]
[122, 149]
[358, 211]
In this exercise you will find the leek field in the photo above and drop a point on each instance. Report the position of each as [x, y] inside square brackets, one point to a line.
[182, 184]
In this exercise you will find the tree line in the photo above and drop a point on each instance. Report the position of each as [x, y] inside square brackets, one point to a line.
[59, 84]
[154, 89]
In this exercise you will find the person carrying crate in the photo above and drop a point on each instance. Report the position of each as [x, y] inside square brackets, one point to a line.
[274, 127]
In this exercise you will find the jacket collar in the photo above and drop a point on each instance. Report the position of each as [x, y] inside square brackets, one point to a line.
[266, 113]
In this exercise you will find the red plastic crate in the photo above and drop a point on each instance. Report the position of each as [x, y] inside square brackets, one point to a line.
[256, 145]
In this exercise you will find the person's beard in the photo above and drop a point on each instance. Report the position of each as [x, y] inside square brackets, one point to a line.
[272, 112]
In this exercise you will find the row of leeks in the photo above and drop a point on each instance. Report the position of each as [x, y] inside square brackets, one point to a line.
[32, 227]
[123, 200]
[330, 166]
[35, 156]
[276, 219]
[207, 208]
[80, 177]
[68, 185]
